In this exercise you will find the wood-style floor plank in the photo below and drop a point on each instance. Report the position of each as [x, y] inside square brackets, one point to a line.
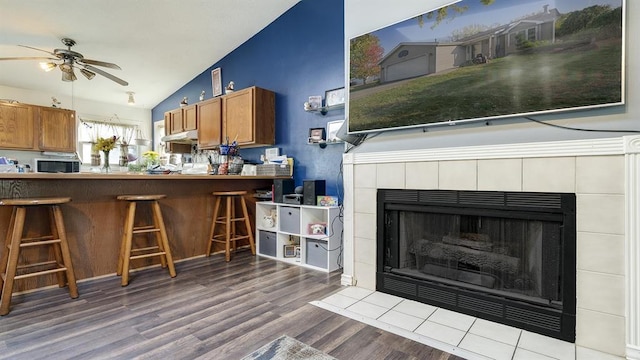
[211, 310]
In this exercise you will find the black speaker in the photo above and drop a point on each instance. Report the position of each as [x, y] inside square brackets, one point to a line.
[282, 187]
[311, 190]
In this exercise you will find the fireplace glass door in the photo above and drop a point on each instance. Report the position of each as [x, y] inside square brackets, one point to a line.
[507, 257]
[504, 256]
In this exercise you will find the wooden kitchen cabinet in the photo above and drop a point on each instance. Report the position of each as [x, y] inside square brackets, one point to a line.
[189, 118]
[173, 121]
[209, 123]
[17, 126]
[248, 116]
[57, 129]
[182, 119]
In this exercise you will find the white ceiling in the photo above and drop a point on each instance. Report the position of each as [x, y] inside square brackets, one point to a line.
[160, 44]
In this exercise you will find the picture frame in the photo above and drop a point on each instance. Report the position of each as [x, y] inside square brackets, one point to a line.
[334, 97]
[216, 82]
[290, 251]
[315, 102]
[332, 130]
[319, 228]
[316, 135]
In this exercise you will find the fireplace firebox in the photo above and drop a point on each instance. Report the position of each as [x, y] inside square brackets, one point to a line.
[507, 257]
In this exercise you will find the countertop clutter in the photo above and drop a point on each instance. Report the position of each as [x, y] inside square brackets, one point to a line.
[130, 176]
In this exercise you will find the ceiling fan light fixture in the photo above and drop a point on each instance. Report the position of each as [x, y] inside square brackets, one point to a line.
[48, 66]
[88, 74]
[66, 67]
[69, 76]
[131, 100]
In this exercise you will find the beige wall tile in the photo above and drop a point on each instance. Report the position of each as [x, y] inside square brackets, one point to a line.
[390, 176]
[365, 275]
[601, 253]
[600, 292]
[365, 251]
[364, 226]
[602, 332]
[500, 175]
[549, 174]
[457, 175]
[364, 176]
[600, 174]
[600, 213]
[421, 175]
[365, 200]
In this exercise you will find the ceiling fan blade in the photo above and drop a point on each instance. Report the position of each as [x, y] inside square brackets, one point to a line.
[100, 63]
[106, 74]
[29, 58]
[29, 47]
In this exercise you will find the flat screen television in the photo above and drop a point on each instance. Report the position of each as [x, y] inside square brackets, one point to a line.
[487, 59]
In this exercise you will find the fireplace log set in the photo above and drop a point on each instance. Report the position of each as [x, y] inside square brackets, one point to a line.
[460, 259]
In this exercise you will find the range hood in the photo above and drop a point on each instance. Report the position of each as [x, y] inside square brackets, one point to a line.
[185, 137]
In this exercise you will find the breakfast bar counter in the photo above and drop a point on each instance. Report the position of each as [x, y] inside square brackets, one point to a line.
[94, 219]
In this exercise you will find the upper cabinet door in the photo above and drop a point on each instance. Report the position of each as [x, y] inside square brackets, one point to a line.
[189, 118]
[57, 129]
[16, 126]
[238, 117]
[249, 117]
[209, 123]
[176, 121]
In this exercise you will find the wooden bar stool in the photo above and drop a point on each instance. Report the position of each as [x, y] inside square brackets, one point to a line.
[229, 236]
[14, 243]
[161, 249]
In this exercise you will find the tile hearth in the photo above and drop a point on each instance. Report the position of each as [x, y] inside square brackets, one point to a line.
[455, 333]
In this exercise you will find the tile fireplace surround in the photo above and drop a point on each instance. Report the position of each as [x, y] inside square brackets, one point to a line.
[603, 173]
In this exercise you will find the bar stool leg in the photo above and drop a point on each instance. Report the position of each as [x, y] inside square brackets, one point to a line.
[227, 246]
[247, 224]
[57, 252]
[66, 254]
[11, 267]
[216, 208]
[157, 223]
[7, 244]
[128, 235]
[233, 224]
[157, 217]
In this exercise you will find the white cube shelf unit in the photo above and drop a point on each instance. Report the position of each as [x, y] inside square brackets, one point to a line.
[304, 235]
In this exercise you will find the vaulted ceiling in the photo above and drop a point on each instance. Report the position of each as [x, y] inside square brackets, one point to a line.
[159, 44]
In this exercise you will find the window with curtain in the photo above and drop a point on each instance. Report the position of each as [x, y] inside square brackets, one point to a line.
[89, 131]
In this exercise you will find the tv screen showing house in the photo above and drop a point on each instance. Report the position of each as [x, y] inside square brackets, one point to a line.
[486, 59]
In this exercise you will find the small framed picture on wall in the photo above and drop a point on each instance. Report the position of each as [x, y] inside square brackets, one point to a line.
[316, 135]
[334, 97]
[216, 80]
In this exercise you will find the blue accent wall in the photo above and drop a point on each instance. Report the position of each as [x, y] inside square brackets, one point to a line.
[298, 55]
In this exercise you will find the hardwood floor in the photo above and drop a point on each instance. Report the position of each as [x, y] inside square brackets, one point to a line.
[211, 310]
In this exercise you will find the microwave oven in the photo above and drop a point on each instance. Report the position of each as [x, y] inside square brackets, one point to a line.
[56, 165]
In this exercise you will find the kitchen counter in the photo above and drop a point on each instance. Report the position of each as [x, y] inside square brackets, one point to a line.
[94, 219]
[129, 176]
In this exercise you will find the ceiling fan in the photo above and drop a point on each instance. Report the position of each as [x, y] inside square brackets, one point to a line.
[67, 59]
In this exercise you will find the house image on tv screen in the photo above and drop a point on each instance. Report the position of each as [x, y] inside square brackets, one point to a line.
[412, 59]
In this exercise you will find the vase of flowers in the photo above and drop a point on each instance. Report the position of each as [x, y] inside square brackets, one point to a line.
[151, 159]
[106, 145]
